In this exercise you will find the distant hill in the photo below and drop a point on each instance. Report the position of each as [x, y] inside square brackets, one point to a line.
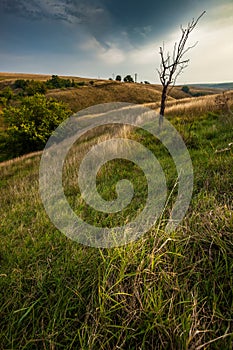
[222, 86]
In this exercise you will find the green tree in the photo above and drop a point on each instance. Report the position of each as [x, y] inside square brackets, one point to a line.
[57, 83]
[118, 78]
[30, 125]
[128, 79]
[185, 89]
[20, 84]
[35, 86]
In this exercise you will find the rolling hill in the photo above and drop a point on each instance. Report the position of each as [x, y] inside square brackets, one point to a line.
[167, 290]
[96, 91]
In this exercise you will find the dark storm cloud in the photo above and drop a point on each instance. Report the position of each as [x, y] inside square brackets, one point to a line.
[109, 20]
[149, 19]
[99, 37]
[65, 10]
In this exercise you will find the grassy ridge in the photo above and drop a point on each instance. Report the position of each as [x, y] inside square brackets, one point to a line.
[165, 291]
[101, 91]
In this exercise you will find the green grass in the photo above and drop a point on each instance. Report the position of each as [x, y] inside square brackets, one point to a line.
[164, 291]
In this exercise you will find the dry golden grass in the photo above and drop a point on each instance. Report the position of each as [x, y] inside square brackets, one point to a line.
[16, 160]
[15, 76]
[11, 77]
[193, 106]
[196, 106]
[194, 90]
[83, 97]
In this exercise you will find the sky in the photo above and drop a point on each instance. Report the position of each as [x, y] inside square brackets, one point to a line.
[103, 38]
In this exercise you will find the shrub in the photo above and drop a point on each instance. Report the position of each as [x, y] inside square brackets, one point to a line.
[20, 84]
[3, 101]
[7, 93]
[57, 83]
[185, 89]
[30, 87]
[34, 86]
[198, 94]
[30, 125]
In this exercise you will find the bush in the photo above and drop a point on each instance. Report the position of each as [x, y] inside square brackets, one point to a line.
[57, 83]
[185, 89]
[30, 87]
[7, 93]
[3, 101]
[30, 125]
[198, 94]
[34, 86]
[20, 84]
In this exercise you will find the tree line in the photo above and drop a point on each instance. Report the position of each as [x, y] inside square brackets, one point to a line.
[127, 79]
[23, 87]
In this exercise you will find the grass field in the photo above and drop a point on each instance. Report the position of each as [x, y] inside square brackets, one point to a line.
[165, 291]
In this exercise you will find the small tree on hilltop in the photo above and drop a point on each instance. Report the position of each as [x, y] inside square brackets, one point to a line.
[118, 78]
[128, 79]
[172, 65]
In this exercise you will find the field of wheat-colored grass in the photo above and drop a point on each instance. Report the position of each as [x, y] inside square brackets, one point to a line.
[42, 77]
[195, 106]
[198, 105]
[86, 96]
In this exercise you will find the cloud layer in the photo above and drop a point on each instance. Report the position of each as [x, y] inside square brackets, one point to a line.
[99, 37]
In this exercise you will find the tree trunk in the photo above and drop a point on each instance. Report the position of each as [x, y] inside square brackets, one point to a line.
[162, 105]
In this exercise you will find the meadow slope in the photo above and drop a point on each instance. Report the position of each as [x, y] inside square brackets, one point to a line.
[165, 291]
[102, 91]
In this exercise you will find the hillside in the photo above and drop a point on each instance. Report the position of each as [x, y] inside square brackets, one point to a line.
[80, 93]
[167, 290]
[220, 86]
[102, 91]
[109, 92]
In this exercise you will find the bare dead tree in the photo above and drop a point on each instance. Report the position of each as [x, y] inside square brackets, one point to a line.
[172, 65]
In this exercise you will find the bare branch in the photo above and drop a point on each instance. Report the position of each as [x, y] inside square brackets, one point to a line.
[173, 65]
